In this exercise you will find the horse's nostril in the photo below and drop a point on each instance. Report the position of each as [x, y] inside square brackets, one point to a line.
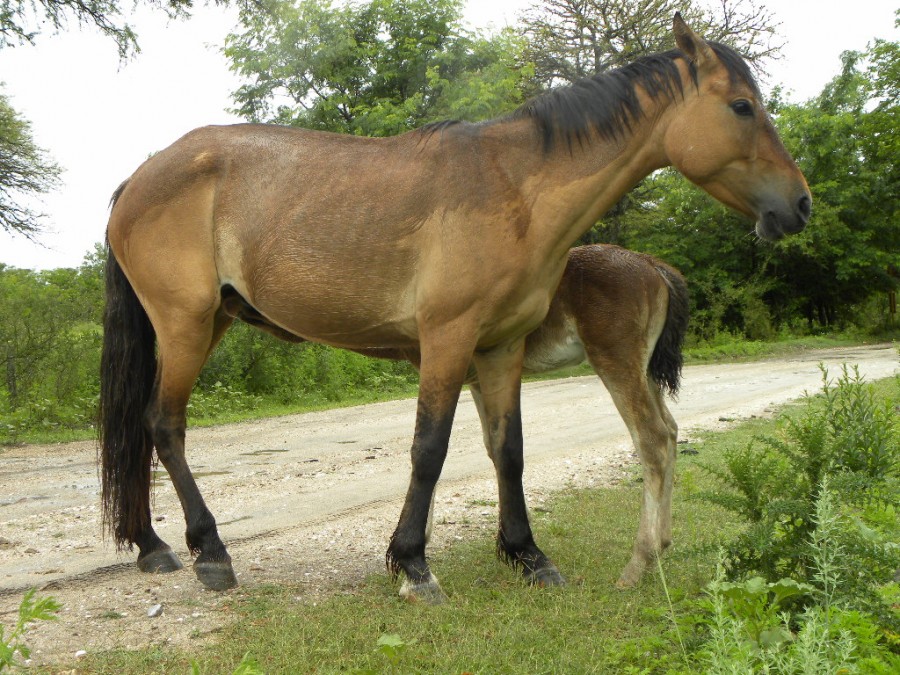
[804, 206]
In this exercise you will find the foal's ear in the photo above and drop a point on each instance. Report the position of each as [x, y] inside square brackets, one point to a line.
[692, 45]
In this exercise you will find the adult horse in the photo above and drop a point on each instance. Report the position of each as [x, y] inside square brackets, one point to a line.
[450, 239]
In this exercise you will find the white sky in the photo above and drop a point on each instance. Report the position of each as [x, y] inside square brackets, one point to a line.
[99, 119]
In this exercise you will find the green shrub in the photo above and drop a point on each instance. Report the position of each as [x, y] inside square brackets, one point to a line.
[845, 437]
[750, 628]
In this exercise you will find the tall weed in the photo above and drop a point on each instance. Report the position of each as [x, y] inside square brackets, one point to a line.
[12, 644]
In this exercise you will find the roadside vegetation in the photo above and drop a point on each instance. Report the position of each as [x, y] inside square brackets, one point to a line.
[394, 65]
[784, 561]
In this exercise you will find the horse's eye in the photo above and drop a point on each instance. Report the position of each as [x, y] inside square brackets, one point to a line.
[743, 108]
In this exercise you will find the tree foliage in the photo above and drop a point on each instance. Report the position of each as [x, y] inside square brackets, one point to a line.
[24, 170]
[376, 68]
[50, 346]
[21, 21]
[571, 39]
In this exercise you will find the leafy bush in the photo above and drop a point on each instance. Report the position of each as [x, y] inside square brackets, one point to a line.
[751, 629]
[218, 400]
[845, 437]
[259, 364]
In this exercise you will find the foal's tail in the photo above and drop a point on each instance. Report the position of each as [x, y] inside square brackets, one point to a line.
[667, 359]
[127, 373]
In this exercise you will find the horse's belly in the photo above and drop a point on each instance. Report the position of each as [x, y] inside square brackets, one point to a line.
[347, 323]
[547, 353]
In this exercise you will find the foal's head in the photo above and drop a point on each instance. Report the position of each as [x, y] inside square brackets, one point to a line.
[723, 140]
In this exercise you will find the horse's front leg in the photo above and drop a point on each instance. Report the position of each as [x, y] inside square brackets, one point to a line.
[442, 372]
[497, 396]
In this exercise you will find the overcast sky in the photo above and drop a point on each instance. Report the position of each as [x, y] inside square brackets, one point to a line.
[100, 119]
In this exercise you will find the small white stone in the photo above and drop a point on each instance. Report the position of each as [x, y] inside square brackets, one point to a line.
[80, 654]
[155, 610]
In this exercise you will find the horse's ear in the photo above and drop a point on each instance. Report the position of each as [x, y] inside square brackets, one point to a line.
[692, 45]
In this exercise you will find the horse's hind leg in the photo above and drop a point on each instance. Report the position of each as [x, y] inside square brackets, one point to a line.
[185, 341]
[497, 397]
[665, 510]
[653, 431]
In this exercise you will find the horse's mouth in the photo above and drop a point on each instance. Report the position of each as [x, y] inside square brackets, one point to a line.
[774, 224]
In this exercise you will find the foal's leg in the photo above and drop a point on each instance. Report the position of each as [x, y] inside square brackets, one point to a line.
[185, 341]
[665, 510]
[442, 372]
[497, 398]
[639, 403]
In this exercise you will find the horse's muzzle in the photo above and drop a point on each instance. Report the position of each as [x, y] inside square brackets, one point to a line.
[775, 224]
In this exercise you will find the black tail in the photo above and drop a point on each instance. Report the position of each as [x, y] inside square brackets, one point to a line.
[127, 373]
[667, 359]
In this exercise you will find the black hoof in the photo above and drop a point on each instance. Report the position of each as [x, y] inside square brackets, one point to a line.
[160, 561]
[545, 576]
[215, 575]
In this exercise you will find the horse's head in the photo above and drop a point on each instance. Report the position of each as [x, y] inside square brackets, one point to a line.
[722, 139]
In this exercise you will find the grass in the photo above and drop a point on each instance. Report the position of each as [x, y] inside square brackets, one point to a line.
[729, 348]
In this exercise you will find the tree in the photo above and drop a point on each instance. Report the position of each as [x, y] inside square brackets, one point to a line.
[376, 68]
[50, 341]
[572, 39]
[24, 170]
[21, 21]
[847, 143]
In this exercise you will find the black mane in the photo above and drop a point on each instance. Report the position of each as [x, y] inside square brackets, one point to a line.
[607, 103]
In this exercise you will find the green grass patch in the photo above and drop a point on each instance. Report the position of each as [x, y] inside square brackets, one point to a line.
[727, 348]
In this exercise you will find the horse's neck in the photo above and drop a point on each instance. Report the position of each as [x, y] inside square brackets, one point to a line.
[570, 187]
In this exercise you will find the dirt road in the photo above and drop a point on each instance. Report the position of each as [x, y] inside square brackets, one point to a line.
[313, 498]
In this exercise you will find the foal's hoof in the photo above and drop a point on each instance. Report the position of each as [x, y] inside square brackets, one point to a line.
[627, 581]
[428, 591]
[545, 576]
[632, 574]
[160, 561]
[215, 575]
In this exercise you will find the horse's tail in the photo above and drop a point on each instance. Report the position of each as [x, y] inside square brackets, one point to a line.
[667, 358]
[127, 373]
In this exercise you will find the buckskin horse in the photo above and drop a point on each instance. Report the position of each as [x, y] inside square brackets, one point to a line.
[450, 239]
